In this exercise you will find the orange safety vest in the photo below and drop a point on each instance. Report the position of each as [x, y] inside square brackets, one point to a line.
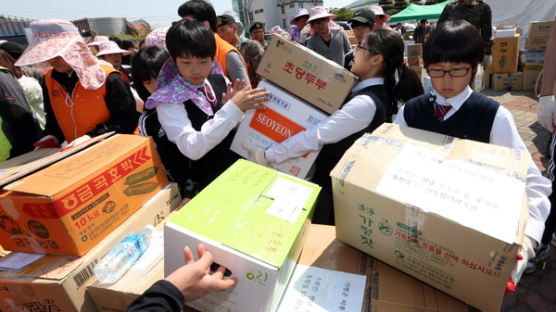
[222, 50]
[83, 111]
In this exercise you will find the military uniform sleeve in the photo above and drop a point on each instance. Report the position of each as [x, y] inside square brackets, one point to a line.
[121, 105]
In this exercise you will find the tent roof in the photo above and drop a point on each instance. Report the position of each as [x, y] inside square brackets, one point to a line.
[416, 11]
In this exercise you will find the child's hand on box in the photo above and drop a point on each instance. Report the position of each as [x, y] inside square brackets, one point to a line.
[525, 253]
[247, 98]
[195, 279]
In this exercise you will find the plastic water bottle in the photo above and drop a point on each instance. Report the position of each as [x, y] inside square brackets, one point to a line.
[115, 263]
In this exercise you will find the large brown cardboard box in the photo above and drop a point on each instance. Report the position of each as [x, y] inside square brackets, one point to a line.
[306, 74]
[540, 29]
[510, 81]
[536, 43]
[505, 54]
[387, 289]
[415, 49]
[531, 74]
[58, 283]
[429, 205]
[70, 206]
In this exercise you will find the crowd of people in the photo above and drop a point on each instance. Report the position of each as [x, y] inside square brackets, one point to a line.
[188, 86]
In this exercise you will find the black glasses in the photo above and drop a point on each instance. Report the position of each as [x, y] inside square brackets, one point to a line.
[360, 47]
[454, 72]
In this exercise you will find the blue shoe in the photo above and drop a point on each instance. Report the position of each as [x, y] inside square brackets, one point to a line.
[542, 253]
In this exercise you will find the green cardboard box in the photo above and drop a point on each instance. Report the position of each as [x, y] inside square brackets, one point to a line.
[253, 220]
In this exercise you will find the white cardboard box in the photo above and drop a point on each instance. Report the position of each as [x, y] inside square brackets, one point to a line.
[284, 116]
[253, 220]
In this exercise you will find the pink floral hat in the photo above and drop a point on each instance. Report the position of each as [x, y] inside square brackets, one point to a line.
[110, 47]
[319, 12]
[377, 10]
[98, 40]
[157, 38]
[53, 38]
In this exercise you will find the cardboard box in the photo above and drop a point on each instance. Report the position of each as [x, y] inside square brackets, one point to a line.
[253, 220]
[306, 74]
[428, 205]
[415, 49]
[387, 289]
[531, 57]
[531, 74]
[284, 116]
[540, 29]
[536, 43]
[70, 206]
[415, 60]
[505, 53]
[58, 283]
[503, 82]
[390, 288]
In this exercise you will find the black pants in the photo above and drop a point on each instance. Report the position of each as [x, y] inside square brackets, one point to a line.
[550, 224]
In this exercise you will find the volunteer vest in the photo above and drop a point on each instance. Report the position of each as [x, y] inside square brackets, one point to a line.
[222, 50]
[473, 120]
[81, 111]
[5, 146]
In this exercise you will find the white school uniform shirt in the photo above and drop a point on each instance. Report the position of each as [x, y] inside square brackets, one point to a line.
[354, 116]
[192, 143]
[504, 132]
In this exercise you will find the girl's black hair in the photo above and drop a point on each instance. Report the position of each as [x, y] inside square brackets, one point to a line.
[146, 65]
[190, 38]
[390, 45]
[199, 10]
[454, 41]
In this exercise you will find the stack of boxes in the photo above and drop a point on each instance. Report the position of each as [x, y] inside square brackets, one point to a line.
[532, 57]
[75, 211]
[517, 70]
[306, 88]
[505, 56]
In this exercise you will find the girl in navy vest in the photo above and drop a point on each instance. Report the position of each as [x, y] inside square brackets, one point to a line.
[198, 111]
[371, 102]
[451, 57]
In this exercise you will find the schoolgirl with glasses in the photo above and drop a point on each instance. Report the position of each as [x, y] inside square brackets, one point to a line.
[372, 102]
[451, 56]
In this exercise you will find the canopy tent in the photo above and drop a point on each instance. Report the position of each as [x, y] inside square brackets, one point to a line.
[416, 12]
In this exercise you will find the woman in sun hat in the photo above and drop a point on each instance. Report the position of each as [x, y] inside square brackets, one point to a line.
[97, 40]
[381, 21]
[81, 95]
[298, 22]
[110, 52]
[330, 43]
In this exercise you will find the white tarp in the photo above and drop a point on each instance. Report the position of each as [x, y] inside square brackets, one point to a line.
[521, 12]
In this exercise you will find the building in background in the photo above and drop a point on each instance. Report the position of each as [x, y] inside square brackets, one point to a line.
[271, 13]
[13, 29]
[358, 4]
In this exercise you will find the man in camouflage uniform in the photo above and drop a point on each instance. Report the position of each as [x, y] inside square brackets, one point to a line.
[251, 50]
[476, 12]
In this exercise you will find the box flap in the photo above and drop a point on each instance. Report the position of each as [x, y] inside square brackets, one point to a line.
[61, 175]
[26, 164]
[452, 178]
[251, 208]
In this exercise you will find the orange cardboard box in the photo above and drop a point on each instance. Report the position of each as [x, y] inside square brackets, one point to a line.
[68, 207]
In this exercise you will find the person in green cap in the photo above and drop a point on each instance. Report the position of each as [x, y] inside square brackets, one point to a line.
[257, 32]
[252, 51]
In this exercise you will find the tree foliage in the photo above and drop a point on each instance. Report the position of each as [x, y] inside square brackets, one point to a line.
[343, 14]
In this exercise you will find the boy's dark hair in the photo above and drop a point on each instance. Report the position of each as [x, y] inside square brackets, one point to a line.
[190, 38]
[424, 20]
[199, 10]
[390, 45]
[146, 65]
[127, 44]
[454, 41]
